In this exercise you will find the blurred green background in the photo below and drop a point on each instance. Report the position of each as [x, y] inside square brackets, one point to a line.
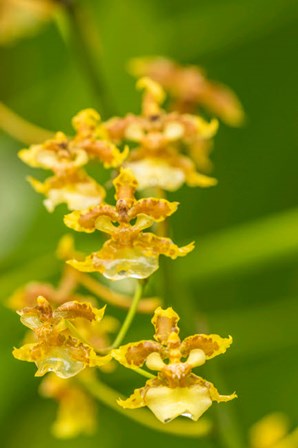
[243, 274]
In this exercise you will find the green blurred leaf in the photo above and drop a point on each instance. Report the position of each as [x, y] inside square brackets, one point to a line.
[244, 249]
[221, 25]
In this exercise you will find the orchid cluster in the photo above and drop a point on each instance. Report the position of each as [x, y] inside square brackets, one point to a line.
[69, 336]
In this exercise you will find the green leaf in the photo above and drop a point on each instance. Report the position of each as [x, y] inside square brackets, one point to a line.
[244, 249]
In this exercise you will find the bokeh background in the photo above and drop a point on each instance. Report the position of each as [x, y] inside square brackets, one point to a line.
[242, 277]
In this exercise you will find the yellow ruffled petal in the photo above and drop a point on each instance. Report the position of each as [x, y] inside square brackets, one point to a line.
[215, 396]
[163, 246]
[154, 172]
[55, 154]
[119, 262]
[154, 96]
[125, 185]
[74, 310]
[104, 224]
[86, 122]
[104, 151]
[135, 354]
[84, 266]
[167, 404]
[28, 352]
[39, 187]
[165, 323]
[211, 344]
[142, 222]
[195, 179]
[33, 317]
[72, 220]
[134, 401]
[79, 193]
[158, 209]
[60, 361]
[76, 196]
[206, 130]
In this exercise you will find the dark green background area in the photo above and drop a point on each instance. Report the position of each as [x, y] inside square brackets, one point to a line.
[243, 273]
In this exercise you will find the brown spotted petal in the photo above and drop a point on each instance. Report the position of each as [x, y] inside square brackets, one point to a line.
[125, 185]
[74, 309]
[165, 323]
[135, 354]
[90, 220]
[164, 246]
[158, 209]
[35, 316]
[65, 356]
[211, 344]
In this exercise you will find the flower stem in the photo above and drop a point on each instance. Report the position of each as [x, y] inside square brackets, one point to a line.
[142, 372]
[181, 428]
[21, 129]
[130, 315]
[84, 37]
[75, 332]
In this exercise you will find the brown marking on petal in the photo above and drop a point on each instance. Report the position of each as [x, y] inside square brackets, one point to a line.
[87, 220]
[137, 353]
[100, 149]
[125, 185]
[73, 310]
[198, 341]
[165, 323]
[212, 345]
[158, 209]
[42, 310]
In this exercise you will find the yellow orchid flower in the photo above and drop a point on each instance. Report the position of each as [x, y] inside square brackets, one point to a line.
[175, 390]
[76, 409]
[57, 349]
[129, 252]
[70, 184]
[66, 156]
[157, 160]
[189, 88]
[273, 431]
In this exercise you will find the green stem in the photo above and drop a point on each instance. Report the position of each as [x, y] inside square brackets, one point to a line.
[179, 427]
[85, 40]
[130, 315]
[75, 332]
[142, 372]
